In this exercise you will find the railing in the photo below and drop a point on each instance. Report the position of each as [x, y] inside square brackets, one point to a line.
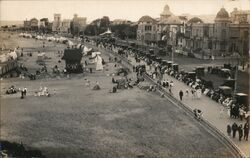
[204, 123]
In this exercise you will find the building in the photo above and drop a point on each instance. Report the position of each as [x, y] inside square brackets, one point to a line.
[147, 29]
[44, 25]
[166, 13]
[78, 24]
[26, 24]
[239, 39]
[226, 36]
[56, 23]
[34, 24]
[65, 27]
[168, 26]
[44, 22]
[31, 24]
[240, 16]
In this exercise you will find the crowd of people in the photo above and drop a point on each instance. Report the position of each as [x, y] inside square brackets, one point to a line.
[243, 131]
[157, 70]
[43, 91]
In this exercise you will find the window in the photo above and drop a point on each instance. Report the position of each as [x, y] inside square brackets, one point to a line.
[223, 34]
[148, 28]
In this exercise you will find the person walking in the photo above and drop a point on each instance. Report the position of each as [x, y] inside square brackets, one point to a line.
[229, 130]
[241, 113]
[25, 91]
[181, 94]
[187, 93]
[170, 90]
[246, 131]
[221, 112]
[234, 129]
[22, 94]
[240, 131]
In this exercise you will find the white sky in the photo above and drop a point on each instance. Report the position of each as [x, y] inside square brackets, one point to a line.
[115, 9]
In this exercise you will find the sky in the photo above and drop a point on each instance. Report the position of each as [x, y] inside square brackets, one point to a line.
[115, 9]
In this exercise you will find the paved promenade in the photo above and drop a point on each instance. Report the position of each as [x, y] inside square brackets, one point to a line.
[211, 111]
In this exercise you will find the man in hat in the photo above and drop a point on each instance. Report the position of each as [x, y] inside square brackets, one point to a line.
[229, 130]
[234, 128]
[181, 94]
[240, 130]
[246, 131]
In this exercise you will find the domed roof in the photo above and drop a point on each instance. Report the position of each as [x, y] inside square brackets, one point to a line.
[171, 20]
[222, 14]
[195, 20]
[146, 18]
[166, 7]
[166, 10]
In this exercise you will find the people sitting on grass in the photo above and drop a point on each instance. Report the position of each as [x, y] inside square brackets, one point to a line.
[198, 86]
[96, 86]
[43, 91]
[198, 114]
[113, 90]
[87, 84]
[11, 90]
[152, 88]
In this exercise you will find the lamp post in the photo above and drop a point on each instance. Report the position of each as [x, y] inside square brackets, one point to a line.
[236, 74]
[171, 36]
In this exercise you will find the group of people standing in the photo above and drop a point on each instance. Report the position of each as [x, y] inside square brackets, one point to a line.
[23, 92]
[243, 131]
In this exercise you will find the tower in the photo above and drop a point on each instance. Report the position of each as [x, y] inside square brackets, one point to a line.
[221, 32]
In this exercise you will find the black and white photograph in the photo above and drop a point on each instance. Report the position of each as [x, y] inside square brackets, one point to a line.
[124, 78]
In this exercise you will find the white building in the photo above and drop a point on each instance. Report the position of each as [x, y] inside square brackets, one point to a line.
[56, 23]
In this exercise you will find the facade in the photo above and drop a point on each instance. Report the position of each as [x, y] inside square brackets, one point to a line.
[65, 27]
[221, 31]
[229, 34]
[56, 23]
[240, 16]
[34, 24]
[239, 39]
[166, 13]
[78, 24]
[147, 29]
[225, 36]
[31, 24]
[168, 26]
[26, 24]
[44, 22]
[44, 25]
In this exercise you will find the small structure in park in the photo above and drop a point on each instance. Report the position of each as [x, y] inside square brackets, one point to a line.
[73, 59]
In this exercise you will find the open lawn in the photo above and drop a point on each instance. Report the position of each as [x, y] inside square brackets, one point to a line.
[77, 121]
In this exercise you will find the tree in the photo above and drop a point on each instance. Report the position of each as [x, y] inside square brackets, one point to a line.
[124, 31]
[97, 26]
[90, 30]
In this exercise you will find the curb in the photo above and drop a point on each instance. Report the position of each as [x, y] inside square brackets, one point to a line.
[234, 149]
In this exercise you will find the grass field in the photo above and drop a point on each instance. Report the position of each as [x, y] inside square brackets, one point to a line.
[77, 121]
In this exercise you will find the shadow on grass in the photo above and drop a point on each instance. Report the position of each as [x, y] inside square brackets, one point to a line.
[18, 150]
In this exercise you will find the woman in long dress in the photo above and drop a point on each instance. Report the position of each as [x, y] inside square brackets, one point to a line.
[99, 65]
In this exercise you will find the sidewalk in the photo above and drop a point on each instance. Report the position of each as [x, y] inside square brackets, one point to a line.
[211, 110]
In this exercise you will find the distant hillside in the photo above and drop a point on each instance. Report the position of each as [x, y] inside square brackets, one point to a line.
[205, 18]
[9, 23]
